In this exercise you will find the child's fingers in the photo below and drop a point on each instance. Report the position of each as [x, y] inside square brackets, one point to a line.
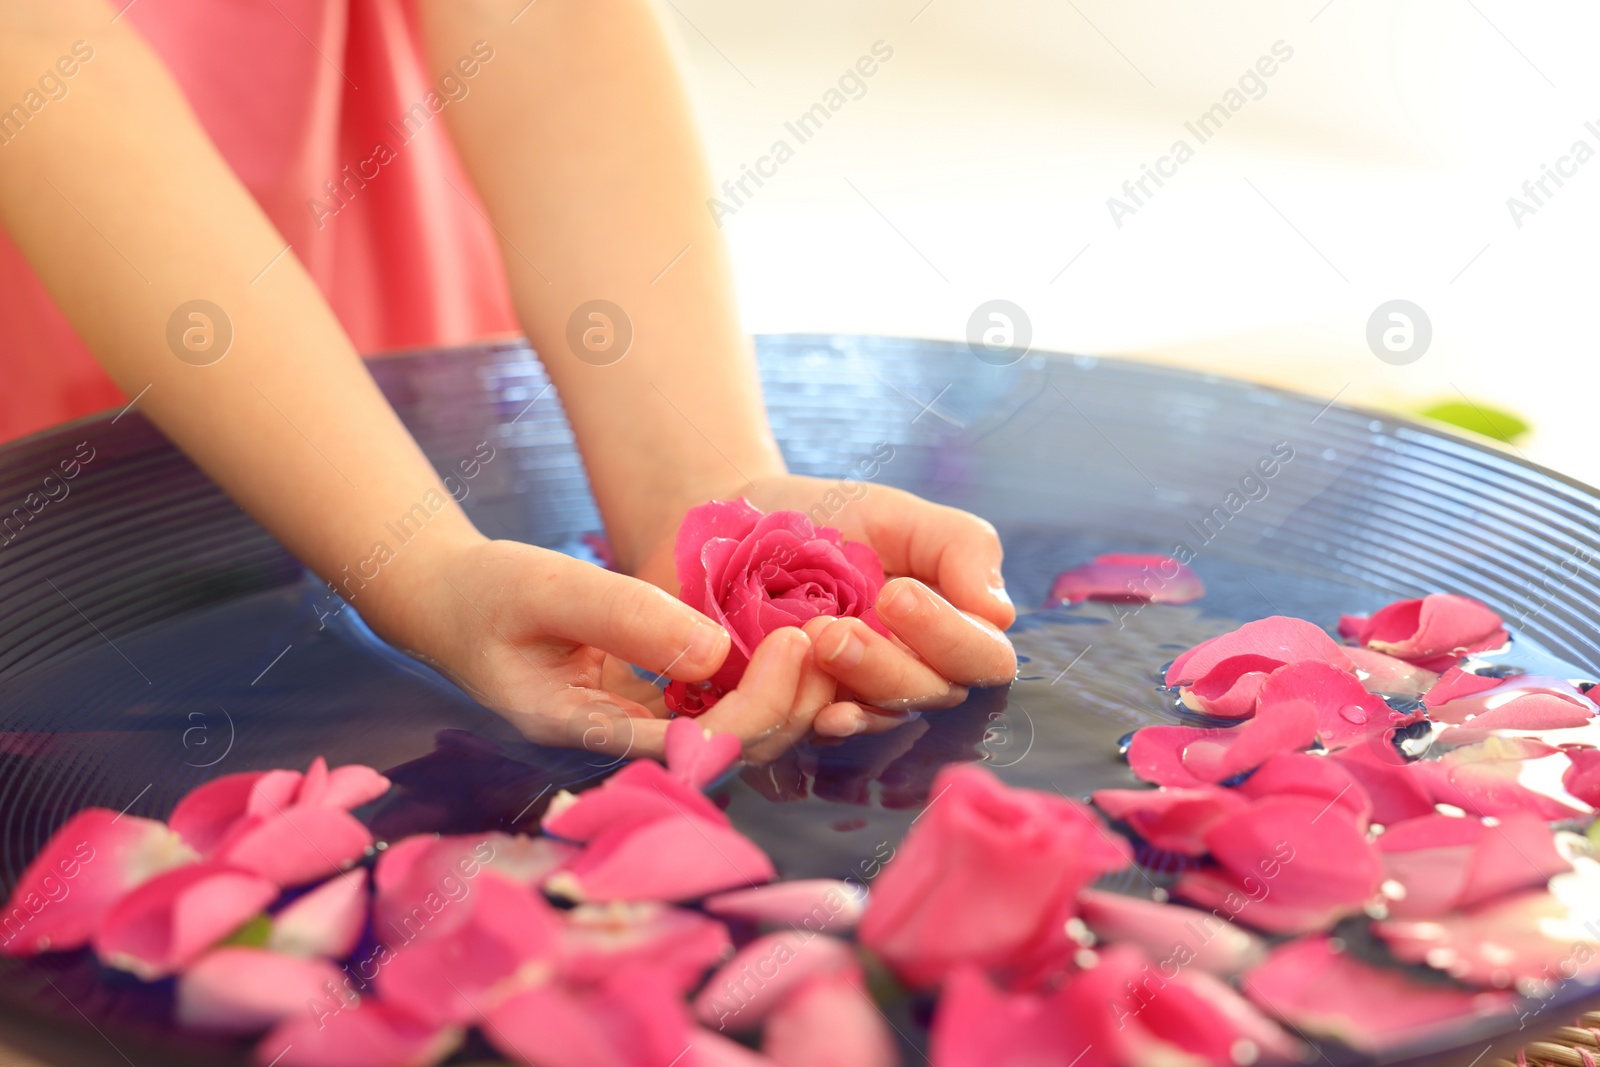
[760, 708]
[593, 720]
[848, 719]
[880, 672]
[814, 690]
[959, 646]
[948, 547]
[630, 619]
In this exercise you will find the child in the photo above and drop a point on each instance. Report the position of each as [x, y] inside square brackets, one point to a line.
[227, 201]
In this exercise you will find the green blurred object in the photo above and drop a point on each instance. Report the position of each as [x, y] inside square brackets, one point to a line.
[253, 934]
[1493, 423]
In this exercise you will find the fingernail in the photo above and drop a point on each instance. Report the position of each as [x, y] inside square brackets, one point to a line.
[705, 642]
[900, 601]
[790, 649]
[848, 651]
[858, 725]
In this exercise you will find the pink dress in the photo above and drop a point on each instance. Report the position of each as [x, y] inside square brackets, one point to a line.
[328, 112]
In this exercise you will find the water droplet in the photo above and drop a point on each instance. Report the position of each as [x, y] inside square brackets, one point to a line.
[1244, 1052]
[1125, 742]
[1394, 890]
[1159, 895]
[1353, 713]
[1086, 958]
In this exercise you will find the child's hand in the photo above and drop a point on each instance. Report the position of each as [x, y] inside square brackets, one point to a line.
[546, 641]
[946, 611]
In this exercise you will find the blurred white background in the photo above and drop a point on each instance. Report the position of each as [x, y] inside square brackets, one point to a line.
[1376, 166]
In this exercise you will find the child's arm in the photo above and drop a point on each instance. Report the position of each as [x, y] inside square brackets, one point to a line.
[580, 140]
[124, 208]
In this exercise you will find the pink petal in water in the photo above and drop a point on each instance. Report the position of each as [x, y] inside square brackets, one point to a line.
[676, 858]
[1320, 990]
[1171, 819]
[1128, 578]
[89, 864]
[327, 921]
[1198, 938]
[170, 921]
[373, 1034]
[746, 989]
[1280, 638]
[246, 990]
[1444, 863]
[675, 943]
[1434, 632]
[814, 903]
[830, 1021]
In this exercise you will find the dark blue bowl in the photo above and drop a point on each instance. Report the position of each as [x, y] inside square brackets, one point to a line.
[152, 636]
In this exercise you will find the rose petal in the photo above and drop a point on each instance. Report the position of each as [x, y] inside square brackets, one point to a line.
[677, 944]
[631, 1020]
[1170, 819]
[1305, 774]
[1438, 629]
[830, 1020]
[1277, 637]
[1397, 792]
[414, 875]
[696, 756]
[326, 921]
[90, 863]
[746, 989]
[1147, 1017]
[170, 921]
[1538, 939]
[246, 990]
[347, 787]
[1381, 673]
[975, 1024]
[455, 976]
[1455, 684]
[204, 815]
[1582, 779]
[815, 903]
[1228, 896]
[1162, 930]
[1128, 577]
[641, 792]
[374, 1034]
[1311, 853]
[676, 859]
[295, 845]
[1230, 690]
[1444, 863]
[1345, 711]
[1288, 727]
[1320, 990]
[1528, 703]
[1483, 778]
[1190, 756]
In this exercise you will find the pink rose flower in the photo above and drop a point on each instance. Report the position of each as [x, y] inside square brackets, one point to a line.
[756, 572]
[988, 876]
